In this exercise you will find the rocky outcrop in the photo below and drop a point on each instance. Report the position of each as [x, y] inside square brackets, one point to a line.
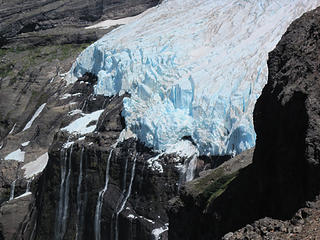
[285, 170]
[302, 226]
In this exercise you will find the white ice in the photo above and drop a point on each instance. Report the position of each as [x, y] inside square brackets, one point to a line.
[193, 68]
[35, 115]
[34, 168]
[17, 155]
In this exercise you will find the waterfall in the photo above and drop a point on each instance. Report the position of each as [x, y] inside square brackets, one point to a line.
[33, 233]
[84, 105]
[28, 186]
[124, 183]
[62, 211]
[124, 201]
[187, 170]
[97, 218]
[79, 205]
[13, 186]
[191, 168]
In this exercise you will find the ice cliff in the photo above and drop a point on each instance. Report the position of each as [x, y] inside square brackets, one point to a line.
[193, 68]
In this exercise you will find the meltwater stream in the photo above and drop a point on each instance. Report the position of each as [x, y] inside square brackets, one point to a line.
[79, 203]
[125, 199]
[28, 186]
[62, 211]
[13, 186]
[97, 218]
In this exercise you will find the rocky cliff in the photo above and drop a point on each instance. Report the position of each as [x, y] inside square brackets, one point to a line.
[285, 170]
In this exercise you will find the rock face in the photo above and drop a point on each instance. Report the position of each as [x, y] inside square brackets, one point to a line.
[285, 169]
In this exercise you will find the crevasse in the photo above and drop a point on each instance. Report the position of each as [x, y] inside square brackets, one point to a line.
[193, 68]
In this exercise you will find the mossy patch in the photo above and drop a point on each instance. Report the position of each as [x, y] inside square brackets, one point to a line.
[198, 186]
[215, 189]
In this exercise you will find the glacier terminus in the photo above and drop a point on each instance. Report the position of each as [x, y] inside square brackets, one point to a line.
[192, 68]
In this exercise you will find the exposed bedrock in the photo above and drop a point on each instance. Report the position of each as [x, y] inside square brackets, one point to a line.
[285, 169]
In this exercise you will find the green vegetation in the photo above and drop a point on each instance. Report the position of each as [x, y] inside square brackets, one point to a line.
[18, 61]
[209, 187]
[198, 186]
[215, 189]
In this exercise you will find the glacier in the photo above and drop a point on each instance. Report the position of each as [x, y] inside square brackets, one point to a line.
[193, 68]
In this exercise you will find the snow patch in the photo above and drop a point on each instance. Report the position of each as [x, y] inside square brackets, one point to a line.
[154, 163]
[35, 115]
[68, 95]
[12, 129]
[23, 195]
[110, 23]
[25, 144]
[132, 216]
[81, 125]
[158, 231]
[35, 167]
[75, 112]
[17, 155]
